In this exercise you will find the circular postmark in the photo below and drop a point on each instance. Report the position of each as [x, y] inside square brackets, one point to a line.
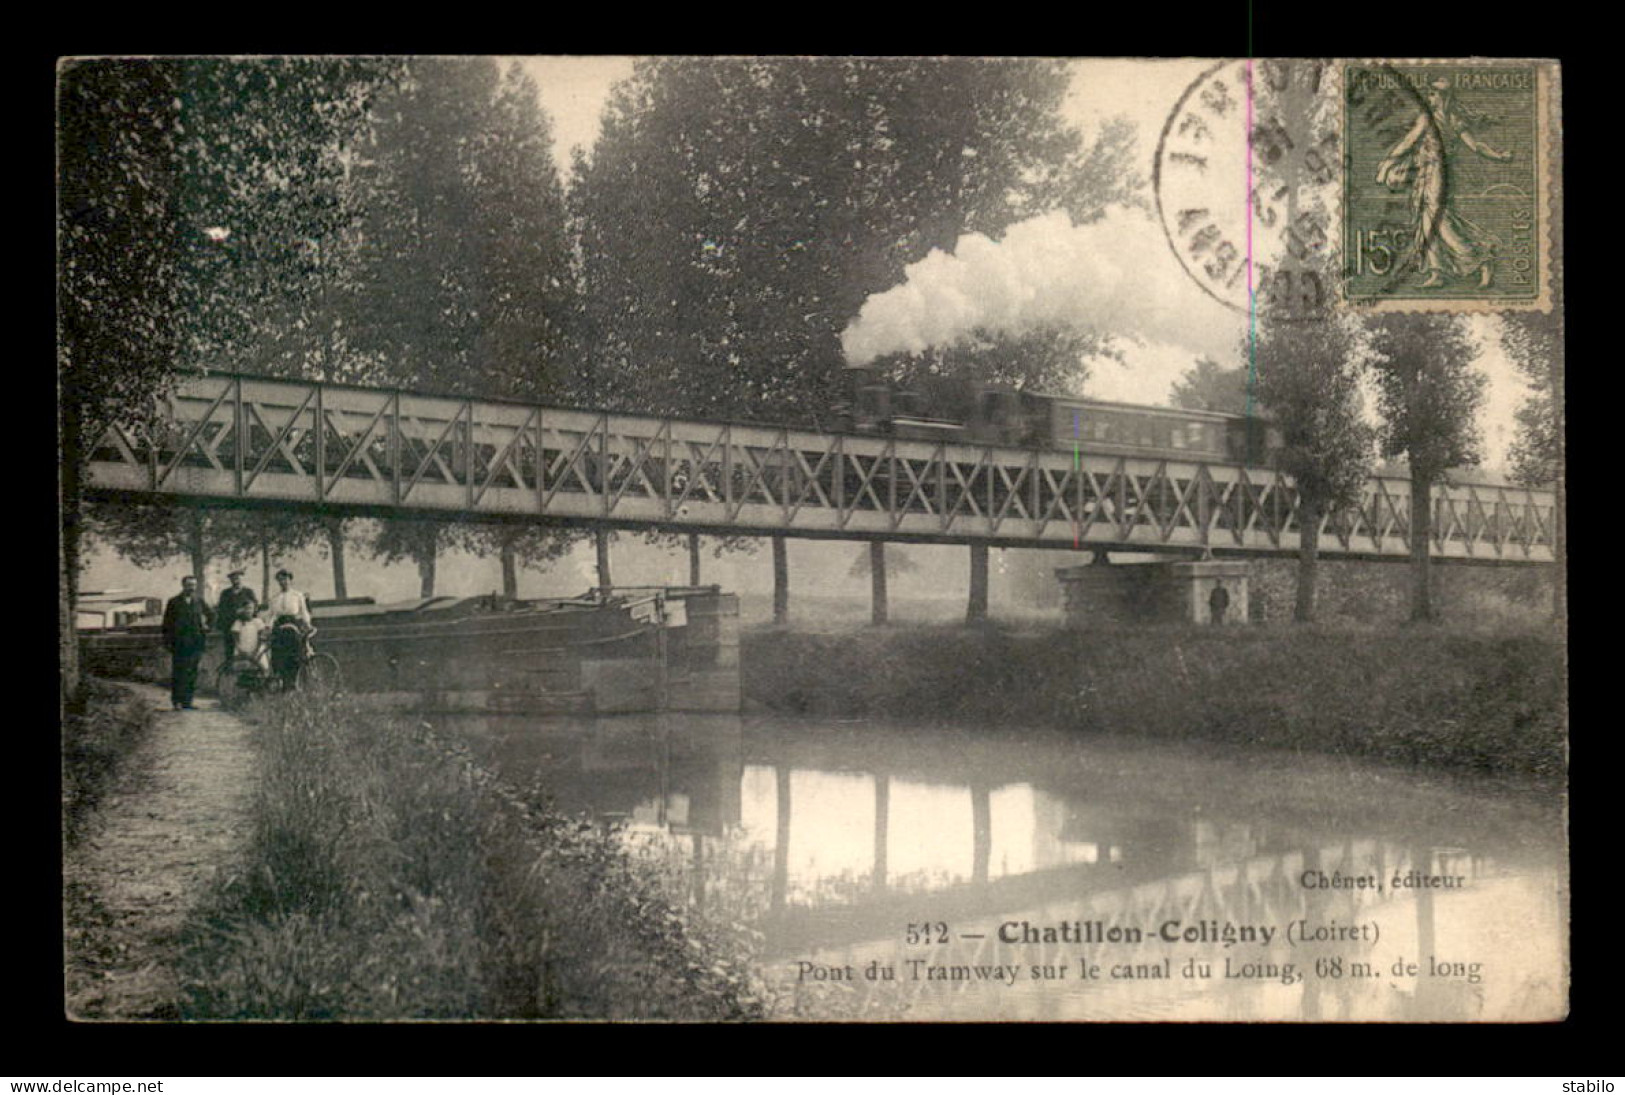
[1245, 179]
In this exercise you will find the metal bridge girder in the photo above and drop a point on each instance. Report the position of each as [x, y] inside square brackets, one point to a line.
[252, 439]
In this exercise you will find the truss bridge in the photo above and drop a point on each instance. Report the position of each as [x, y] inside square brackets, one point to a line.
[230, 439]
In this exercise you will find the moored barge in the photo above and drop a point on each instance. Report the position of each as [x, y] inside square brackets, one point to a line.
[605, 652]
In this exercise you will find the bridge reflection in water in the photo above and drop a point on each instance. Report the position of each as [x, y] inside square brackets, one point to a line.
[834, 839]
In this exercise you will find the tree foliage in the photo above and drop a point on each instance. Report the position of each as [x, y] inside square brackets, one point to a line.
[156, 535]
[1045, 359]
[897, 562]
[363, 220]
[415, 540]
[468, 287]
[271, 211]
[117, 294]
[1209, 386]
[1429, 393]
[119, 264]
[1309, 385]
[735, 214]
[1534, 342]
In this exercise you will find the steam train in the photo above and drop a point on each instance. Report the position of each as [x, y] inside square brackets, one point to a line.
[949, 410]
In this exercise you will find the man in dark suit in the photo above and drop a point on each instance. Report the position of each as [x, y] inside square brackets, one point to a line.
[186, 633]
[229, 609]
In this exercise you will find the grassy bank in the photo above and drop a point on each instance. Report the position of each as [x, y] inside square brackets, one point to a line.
[98, 734]
[388, 877]
[1483, 702]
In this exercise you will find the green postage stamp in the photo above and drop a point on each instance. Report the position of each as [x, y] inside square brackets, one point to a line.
[1447, 185]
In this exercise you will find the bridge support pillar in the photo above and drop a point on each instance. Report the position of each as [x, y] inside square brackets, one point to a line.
[1154, 592]
[877, 582]
[976, 606]
[781, 581]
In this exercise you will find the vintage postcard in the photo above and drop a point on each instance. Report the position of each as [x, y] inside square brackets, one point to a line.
[812, 539]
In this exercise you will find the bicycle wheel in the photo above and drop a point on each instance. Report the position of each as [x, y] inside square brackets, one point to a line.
[319, 674]
[228, 685]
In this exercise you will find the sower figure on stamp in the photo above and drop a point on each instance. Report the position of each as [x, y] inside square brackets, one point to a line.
[1443, 241]
[1218, 602]
[186, 634]
[289, 614]
[229, 609]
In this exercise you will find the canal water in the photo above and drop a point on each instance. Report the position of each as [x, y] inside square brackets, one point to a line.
[957, 873]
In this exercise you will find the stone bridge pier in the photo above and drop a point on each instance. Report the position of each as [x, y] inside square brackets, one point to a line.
[1153, 592]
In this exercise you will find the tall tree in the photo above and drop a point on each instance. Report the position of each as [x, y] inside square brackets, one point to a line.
[1534, 342]
[335, 536]
[976, 602]
[117, 291]
[418, 540]
[878, 563]
[1429, 395]
[520, 545]
[152, 536]
[271, 535]
[470, 288]
[1308, 382]
[156, 534]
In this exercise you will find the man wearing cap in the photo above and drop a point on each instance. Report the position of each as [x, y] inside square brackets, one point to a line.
[287, 606]
[229, 609]
[186, 634]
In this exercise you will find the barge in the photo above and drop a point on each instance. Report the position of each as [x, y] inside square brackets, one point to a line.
[605, 652]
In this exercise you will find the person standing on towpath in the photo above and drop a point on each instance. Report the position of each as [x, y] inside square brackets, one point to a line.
[186, 633]
[287, 606]
[229, 609]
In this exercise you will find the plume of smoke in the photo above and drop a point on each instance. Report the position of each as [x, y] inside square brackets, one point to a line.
[1105, 275]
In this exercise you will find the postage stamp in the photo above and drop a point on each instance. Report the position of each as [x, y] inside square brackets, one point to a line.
[1446, 185]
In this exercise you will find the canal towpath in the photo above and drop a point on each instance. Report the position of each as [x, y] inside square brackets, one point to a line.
[175, 819]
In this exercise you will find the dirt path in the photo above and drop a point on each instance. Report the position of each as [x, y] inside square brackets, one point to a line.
[174, 820]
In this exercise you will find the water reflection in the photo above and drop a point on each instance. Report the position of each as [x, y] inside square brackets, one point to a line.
[1106, 875]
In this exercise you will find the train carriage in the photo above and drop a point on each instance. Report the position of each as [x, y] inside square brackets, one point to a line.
[1007, 416]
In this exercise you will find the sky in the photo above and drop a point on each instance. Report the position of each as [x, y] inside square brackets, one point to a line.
[573, 91]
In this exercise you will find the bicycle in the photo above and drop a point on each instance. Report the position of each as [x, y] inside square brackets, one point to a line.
[247, 675]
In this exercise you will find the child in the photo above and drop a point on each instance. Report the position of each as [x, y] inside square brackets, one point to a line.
[250, 638]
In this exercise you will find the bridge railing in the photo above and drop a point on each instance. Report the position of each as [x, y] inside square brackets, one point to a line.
[252, 439]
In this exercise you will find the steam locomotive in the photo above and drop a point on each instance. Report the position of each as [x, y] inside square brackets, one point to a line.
[948, 410]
